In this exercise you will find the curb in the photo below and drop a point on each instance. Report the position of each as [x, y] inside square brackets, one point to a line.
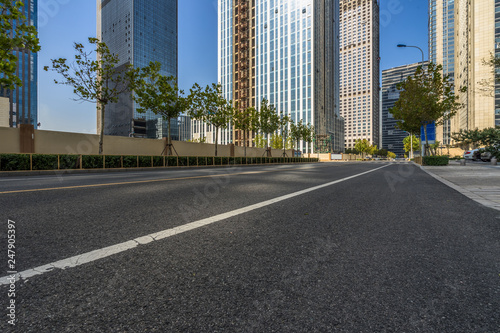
[483, 201]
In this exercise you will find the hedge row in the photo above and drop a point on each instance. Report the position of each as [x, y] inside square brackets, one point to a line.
[436, 160]
[23, 162]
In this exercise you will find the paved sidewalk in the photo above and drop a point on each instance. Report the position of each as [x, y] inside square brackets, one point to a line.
[477, 180]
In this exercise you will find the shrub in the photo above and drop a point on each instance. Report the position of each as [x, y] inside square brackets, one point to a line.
[44, 162]
[225, 160]
[171, 160]
[202, 160]
[192, 161]
[436, 160]
[92, 161]
[130, 161]
[14, 162]
[157, 161]
[113, 162]
[183, 160]
[69, 162]
[218, 160]
[144, 161]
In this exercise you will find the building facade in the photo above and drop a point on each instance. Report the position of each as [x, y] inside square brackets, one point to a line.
[477, 38]
[285, 52]
[139, 32]
[392, 137]
[23, 100]
[360, 70]
[442, 48]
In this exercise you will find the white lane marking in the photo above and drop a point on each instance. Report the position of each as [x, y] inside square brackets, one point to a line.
[114, 249]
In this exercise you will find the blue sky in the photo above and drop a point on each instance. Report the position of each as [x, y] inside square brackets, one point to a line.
[63, 22]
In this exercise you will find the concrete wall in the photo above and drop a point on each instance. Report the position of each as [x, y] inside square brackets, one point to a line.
[52, 142]
[9, 140]
[4, 112]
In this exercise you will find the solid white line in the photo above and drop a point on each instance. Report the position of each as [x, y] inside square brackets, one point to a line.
[114, 249]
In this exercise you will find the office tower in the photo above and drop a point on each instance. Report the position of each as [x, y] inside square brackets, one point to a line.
[442, 48]
[285, 52]
[20, 105]
[392, 137]
[359, 70]
[477, 38]
[138, 31]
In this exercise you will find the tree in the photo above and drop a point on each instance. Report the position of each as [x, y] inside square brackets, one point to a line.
[211, 107]
[390, 154]
[363, 146]
[308, 133]
[98, 81]
[475, 138]
[260, 141]
[296, 131]
[161, 95]
[425, 98]
[268, 122]
[16, 34]
[382, 152]
[245, 120]
[407, 143]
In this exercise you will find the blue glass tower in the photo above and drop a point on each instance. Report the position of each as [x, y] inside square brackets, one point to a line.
[138, 31]
[23, 104]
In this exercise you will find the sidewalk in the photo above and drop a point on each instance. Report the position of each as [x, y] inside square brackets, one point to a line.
[477, 180]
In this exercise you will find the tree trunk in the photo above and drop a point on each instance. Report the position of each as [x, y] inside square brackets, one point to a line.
[426, 140]
[216, 139]
[169, 139]
[101, 135]
[245, 141]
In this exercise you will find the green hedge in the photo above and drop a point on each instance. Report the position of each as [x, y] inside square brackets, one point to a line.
[69, 162]
[44, 162]
[171, 161]
[130, 161]
[14, 162]
[436, 160]
[113, 162]
[21, 162]
[92, 161]
[145, 162]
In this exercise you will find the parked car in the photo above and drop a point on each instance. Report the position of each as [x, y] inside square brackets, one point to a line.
[473, 154]
[486, 156]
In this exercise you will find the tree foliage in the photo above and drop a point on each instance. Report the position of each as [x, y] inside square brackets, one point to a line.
[364, 146]
[407, 143]
[245, 120]
[94, 77]
[161, 95]
[476, 137]
[425, 97]
[16, 34]
[210, 106]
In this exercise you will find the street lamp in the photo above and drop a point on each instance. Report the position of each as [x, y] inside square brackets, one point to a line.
[423, 59]
[416, 47]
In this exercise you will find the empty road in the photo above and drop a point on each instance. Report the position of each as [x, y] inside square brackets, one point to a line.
[330, 247]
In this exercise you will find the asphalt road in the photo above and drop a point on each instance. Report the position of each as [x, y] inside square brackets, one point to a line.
[392, 250]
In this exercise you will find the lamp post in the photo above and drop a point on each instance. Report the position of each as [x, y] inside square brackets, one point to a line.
[416, 47]
[423, 59]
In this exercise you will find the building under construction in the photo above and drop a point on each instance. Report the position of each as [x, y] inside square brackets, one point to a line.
[288, 53]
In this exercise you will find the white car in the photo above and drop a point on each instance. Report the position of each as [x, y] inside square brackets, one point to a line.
[472, 154]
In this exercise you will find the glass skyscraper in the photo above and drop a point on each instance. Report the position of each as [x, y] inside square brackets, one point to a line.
[22, 101]
[285, 52]
[138, 31]
[442, 48]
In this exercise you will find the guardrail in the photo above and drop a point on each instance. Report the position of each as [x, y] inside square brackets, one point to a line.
[38, 162]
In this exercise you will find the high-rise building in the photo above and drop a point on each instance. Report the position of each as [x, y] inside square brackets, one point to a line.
[442, 48]
[138, 31]
[360, 70]
[477, 38]
[285, 52]
[392, 137]
[23, 100]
